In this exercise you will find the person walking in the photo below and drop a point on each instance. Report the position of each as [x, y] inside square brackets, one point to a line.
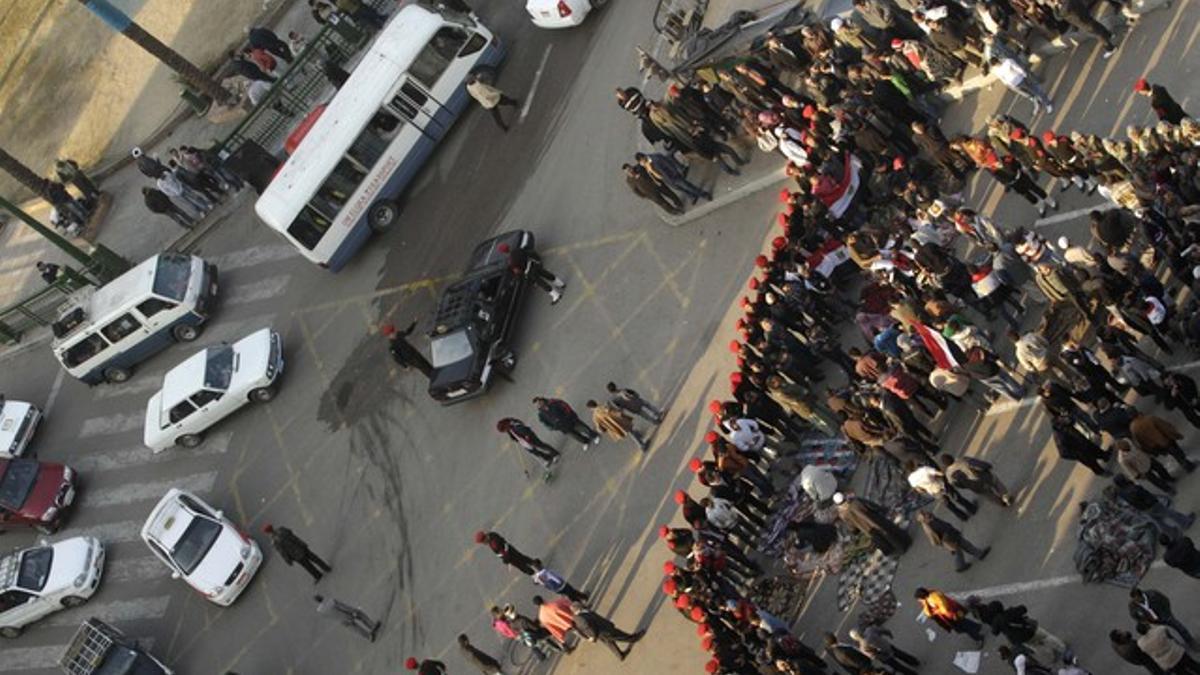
[159, 203]
[293, 549]
[483, 662]
[507, 553]
[528, 264]
[1078, 13]
[876, 642]
[867, 517]
[1022, 82]
[645, 186]
[556, 616]
[403, 352]
[426, 667]
[615, 423]
[490, 98]
[929, 481]
[348, 615]
[1147, 605]
[1156, 437]
[1138, 465]
[1180, 552]
[525, 437]
[944, 535]
[633, 403]
[558, 415]
[1126, 647]
[554, 582]
[595, 628]
[976, 475]
[948, 613]
[1163, 104]
[1166, 651]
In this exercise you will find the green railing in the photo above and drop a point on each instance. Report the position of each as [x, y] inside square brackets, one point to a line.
[41, 309]
[297, 88]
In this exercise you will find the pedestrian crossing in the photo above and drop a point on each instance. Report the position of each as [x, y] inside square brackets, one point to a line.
[121, 479]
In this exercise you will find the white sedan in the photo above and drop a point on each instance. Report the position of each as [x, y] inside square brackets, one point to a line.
[18, 421]
[561, 13]
[201, 546]
[211, 385]
[39, 581]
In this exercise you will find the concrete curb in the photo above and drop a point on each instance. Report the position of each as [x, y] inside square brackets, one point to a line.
[730, 197]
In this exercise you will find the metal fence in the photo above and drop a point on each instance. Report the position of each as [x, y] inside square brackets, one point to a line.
[300, 85]
[40, 309]
[677, 20]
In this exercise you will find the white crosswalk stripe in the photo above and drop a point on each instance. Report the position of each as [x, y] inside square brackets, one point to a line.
[142, 383]
[111, 424]
[111, 533]
[253, 292]
[146, 568]
[140, 492]
[113, 612]
[254, 256]
[140, 455]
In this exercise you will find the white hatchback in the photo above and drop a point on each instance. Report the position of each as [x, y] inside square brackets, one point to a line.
[42, 580]
[561, 13]
[211, 385]
[201, 546]
[18, 421]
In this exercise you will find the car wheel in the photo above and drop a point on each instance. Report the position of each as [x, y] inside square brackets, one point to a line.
[383, 214]
[509, 360]
[185, 332]
[73, 601]
[116, 375]
[10, 632]
[189, 440]
[262, 394]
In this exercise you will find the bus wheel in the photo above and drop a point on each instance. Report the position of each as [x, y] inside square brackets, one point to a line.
[382, 215]
[116, 375]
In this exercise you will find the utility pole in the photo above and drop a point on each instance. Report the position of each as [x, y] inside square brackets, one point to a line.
[120, 22]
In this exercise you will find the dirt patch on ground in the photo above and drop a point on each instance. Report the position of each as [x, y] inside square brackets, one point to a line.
[71, 86]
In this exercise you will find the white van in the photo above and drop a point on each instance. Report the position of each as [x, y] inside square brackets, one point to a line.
[107, 330]
[345, 175]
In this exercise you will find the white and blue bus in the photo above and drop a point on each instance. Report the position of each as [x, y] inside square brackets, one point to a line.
[342, 180]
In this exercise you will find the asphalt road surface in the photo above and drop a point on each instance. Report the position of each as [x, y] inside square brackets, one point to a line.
[389, 486]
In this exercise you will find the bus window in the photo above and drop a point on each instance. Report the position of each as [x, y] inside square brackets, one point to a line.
[309, 227]
[437, 55]
[409, 100]
[369, 146]
[336, 190]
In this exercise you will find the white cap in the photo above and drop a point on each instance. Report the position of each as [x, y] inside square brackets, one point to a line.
[838, 498]
[1196, 272]
[837, 23]
[136, 152]
[1064, 243]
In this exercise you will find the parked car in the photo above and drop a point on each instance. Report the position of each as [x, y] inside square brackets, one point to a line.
[18, 421]
[561, 13]
[100, 649]
[201, 546]
[211, 385]
[35, 494]
[475, 320]
[39, 581]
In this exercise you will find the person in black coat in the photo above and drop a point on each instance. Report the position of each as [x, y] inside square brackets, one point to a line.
[403, 352]
[1075, 446]
[1147, 605]
[483, 662]
[293, 550]
[1163, 104]
[248, 69]
[1182, 393]
[264, 38]
[849, 657]
[1181, 554]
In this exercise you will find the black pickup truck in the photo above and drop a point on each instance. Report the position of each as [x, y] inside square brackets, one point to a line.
[476, 316]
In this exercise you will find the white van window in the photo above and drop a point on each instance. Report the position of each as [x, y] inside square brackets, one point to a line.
[172, 275]
[153, 306]
[121, 328]
[84, 350]
[437, 55]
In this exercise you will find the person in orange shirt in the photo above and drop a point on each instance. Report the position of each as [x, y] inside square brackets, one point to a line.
[556, 616]
[948, 614]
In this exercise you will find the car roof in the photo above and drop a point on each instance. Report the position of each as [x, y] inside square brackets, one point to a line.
[169, 519]
[184, 379]
[100, 302]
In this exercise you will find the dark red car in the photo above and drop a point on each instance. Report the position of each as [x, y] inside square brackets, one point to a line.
[35, 494]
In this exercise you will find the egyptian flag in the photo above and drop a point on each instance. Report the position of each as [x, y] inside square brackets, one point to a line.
[837, 193]
[944, 352]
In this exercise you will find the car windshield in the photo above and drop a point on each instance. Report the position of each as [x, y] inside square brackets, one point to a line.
[35, 568]
[172, 275]
[195, 542]
[122, 660]
[450, 348]
[17, 483]
[219, 368]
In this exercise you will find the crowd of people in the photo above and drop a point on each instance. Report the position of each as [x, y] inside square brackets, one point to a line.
[877, 207]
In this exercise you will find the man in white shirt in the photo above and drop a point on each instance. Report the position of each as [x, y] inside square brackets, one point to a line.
[932, 482]
[490, 98]
[1022, 82]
